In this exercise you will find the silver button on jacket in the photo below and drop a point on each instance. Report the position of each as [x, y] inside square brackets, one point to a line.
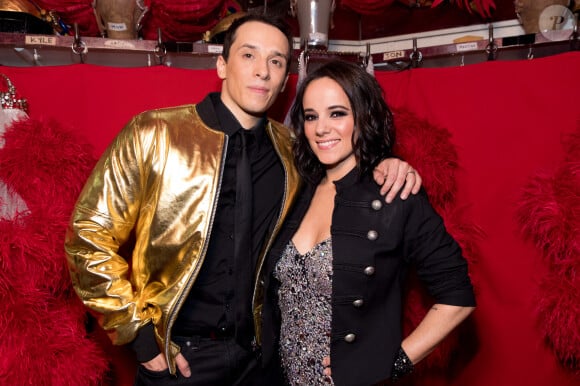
[349, 338]
[372, 235]
[369, 271]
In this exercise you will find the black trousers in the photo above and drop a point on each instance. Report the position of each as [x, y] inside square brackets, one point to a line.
[213, 361]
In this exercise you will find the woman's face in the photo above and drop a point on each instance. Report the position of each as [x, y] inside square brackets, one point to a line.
[329, 126]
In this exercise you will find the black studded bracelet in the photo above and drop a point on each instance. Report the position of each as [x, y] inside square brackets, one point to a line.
[402, 365]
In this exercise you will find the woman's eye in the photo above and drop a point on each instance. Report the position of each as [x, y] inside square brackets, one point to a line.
[337, 114]
[309, 117]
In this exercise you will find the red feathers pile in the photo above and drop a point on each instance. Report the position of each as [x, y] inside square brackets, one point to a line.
[549, 216]
[430, 150]
[42, 321]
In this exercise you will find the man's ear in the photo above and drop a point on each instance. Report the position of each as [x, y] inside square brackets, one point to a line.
[221, 67]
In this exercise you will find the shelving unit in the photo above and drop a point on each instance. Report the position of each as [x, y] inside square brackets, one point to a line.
[503, 40]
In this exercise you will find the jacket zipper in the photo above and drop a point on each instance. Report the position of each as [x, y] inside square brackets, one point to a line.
[172, 315]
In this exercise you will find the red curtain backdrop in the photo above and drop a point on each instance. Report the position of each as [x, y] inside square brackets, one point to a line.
[509, 123]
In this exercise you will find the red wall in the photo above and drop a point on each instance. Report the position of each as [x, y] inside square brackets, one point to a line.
[508, 121]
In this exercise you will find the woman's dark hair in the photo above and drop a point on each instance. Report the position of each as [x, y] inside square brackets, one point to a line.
[373, 136]
[280, 24]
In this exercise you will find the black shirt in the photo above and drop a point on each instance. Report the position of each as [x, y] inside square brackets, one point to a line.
[209, 304]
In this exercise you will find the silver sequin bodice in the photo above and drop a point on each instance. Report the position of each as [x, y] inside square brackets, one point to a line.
[305, 304]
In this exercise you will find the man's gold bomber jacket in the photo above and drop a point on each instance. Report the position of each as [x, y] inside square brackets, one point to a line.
[157, 184]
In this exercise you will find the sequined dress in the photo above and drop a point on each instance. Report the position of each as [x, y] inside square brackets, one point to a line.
[305, 304]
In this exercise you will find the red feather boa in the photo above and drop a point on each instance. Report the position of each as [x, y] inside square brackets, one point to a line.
[549, 216]
[430, 150]
[42, 321]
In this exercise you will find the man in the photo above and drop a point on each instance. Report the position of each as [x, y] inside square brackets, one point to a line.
[184, 299]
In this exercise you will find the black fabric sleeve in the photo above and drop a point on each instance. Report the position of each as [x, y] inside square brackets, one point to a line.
[438, 258]
[145, 345]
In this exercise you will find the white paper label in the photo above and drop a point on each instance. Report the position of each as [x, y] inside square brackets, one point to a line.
[119, 27]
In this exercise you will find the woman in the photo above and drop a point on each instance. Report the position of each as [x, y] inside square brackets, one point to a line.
[334, 292]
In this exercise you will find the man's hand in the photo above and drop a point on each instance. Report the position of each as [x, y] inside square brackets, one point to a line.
[394, 174]
[160, 364]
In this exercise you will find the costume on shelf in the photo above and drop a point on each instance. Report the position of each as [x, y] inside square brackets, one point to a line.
[120, 19]
[12, 110]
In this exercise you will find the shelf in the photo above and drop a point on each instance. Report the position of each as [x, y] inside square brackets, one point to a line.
[504, 40]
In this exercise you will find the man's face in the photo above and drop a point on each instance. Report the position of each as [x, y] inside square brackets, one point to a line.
[255, 72]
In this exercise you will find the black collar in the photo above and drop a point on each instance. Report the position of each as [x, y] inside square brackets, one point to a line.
[348, 180]
[217, 116]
